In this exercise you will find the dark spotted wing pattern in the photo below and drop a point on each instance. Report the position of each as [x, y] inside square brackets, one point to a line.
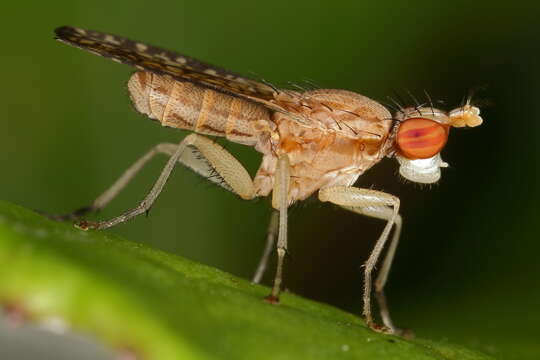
[164, 62]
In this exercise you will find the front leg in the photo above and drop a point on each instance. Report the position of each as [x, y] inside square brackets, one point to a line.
[382, 206]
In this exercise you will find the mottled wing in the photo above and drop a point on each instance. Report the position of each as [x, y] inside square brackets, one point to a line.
[164, 62]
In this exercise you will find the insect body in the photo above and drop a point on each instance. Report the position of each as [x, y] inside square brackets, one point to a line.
[320, 140]
[319, 155]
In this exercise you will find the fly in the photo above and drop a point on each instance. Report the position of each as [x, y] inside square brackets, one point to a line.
[317, 141]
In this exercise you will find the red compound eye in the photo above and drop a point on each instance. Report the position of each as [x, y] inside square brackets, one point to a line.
[420, 138]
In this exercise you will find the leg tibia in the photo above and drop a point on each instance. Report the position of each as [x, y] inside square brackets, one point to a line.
[280, 202]
[270, 239]
[378, 205]
[196, 152]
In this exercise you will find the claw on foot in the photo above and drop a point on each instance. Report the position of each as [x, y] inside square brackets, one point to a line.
[404, 333]
[271, 299]
[379, 328]
[85, 225]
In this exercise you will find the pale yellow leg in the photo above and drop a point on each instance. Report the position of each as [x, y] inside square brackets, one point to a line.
[104, 199]
[382, 206]
[272, 231]
[198, 153]
[280, 202]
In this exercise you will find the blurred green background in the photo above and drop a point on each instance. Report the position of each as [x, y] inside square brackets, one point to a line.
[467, 267]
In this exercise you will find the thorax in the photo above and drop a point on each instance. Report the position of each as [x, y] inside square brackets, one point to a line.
[344, 135]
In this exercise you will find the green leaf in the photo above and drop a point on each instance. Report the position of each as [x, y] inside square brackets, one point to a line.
[162, 306]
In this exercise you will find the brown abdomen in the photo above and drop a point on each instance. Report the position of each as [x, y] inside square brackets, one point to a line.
[186, 105]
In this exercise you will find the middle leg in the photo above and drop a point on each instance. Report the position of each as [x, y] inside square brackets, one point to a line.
[280, 196]
[270, 239]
